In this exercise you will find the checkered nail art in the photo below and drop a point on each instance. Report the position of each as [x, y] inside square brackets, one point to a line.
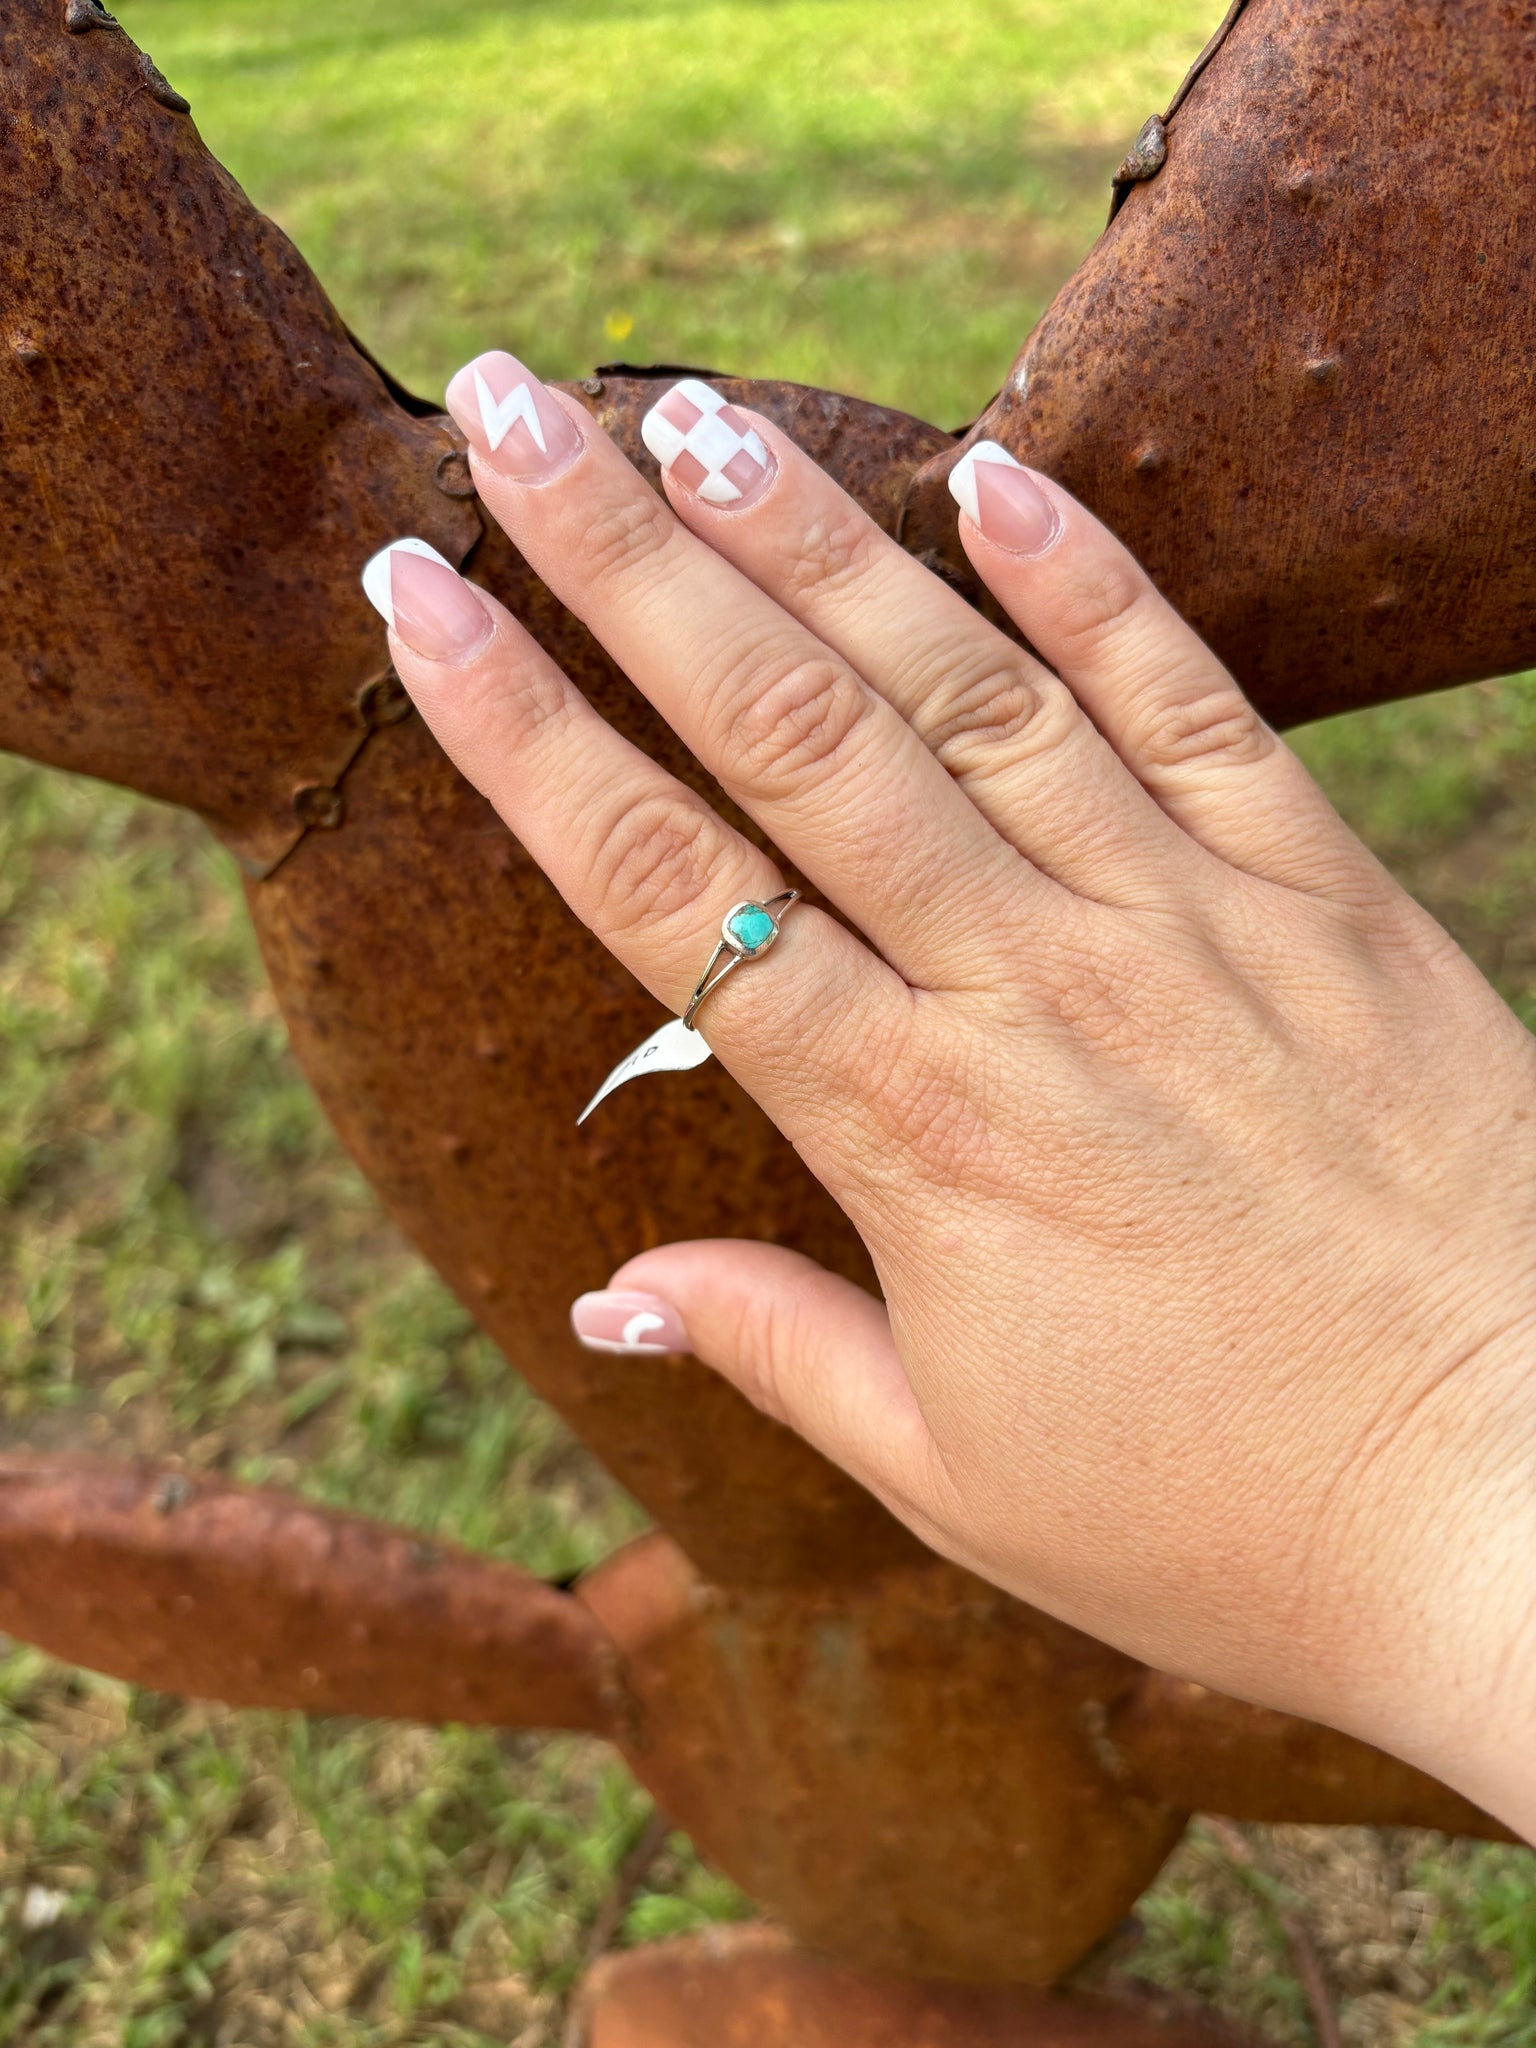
[708, 446]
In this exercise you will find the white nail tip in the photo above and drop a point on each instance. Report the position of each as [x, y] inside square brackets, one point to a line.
[378, 576]
[962, 478]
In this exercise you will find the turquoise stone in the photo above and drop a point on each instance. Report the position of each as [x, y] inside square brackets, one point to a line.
[750, 928]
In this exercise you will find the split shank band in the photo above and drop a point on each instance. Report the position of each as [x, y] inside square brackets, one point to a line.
[746, 932]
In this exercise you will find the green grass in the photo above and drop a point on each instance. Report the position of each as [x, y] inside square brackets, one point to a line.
[873, 196]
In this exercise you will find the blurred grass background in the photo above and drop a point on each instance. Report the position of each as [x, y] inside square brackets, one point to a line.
[868, 194]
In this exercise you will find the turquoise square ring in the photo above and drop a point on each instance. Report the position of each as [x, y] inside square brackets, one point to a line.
[746, 932]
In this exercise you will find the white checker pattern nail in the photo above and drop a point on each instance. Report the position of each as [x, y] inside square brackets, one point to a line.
[712, 441]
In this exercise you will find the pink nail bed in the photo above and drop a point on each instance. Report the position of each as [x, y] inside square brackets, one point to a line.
[707, 446]
[510, 420]
[425, 601]
[1004, 500]
[633, 1325]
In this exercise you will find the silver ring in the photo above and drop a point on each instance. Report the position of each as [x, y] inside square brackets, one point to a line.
[746, 932]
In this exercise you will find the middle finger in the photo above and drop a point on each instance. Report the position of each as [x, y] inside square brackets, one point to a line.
[825, 765]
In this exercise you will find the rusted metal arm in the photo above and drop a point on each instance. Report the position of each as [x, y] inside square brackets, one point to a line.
[1175, 1741]
[225, 1592]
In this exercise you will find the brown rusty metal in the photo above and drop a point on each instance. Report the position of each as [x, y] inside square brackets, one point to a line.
[224, 1592]
[748, 1987]
[1171, 1739]
[1317, 433]
[1294, 375]
[193, 458]
[902, 1771]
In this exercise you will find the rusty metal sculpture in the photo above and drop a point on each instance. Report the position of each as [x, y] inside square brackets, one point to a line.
[1289, 375]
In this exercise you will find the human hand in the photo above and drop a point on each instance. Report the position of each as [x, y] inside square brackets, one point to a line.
[1197, 1165]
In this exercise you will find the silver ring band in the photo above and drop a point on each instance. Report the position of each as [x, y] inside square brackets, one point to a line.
[746, 932]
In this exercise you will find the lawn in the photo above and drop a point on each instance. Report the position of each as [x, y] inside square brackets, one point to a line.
[863, 193]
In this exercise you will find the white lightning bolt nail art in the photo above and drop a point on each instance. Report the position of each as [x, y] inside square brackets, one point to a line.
[499, 419]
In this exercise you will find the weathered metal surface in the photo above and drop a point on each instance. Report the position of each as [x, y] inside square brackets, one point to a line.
[193, 456]
[223, 1592]
[747, 1987]
[1312, 424]
[1295, 373]
[832, 1748]
[1173, 1740]
[902, 1771]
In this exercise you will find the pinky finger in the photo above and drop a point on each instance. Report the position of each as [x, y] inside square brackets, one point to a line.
[1155, 690]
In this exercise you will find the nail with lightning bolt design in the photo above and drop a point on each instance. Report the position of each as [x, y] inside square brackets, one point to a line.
[510, 420]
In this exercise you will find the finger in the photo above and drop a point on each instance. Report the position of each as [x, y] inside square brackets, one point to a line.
[1177, 719]
[810, 1349]
[791, 731]
[1009, 732]
[643, 861]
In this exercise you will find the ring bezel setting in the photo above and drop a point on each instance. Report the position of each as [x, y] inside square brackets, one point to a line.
[747, 931]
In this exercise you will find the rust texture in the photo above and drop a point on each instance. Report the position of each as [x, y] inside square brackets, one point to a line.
[747, 1987]
[1292, 375]
[1295, 373]
[227, 1593]
[1174, 1740]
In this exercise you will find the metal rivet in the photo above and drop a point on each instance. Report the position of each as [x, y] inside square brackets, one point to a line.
[593, 386]
[320, 805]
[26, 352]
[1321, 369]
[1148, 459]
[1302, 189]
[81, 16]
[383, 701]
[159, 87]
[1147, 154]
[452, 475]
[1387, 599]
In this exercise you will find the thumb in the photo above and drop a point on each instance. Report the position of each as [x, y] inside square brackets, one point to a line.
[811, 1350]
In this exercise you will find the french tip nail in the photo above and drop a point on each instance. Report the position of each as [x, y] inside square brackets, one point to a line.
[378, 578]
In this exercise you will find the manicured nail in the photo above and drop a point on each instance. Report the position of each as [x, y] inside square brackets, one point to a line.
[510, 420]
[1004, 500]
[637, 1325]
[708, 446]
[426, 602]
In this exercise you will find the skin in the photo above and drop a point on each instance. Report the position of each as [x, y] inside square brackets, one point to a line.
[1197, 1164]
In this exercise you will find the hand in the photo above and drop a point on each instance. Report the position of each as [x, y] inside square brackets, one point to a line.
[1197, 1165]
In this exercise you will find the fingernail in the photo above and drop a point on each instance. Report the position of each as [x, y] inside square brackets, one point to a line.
[708, 446]
[636, 1325]
[426, 602]
[1004, 500]
[510, 420]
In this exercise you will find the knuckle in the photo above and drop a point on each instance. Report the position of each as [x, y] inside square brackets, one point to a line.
[970, 718]
[625, 534]
[835, 552]
[518, 708]
[1099, 602]
[1212, 724]
[657, 859]
[801, 722]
